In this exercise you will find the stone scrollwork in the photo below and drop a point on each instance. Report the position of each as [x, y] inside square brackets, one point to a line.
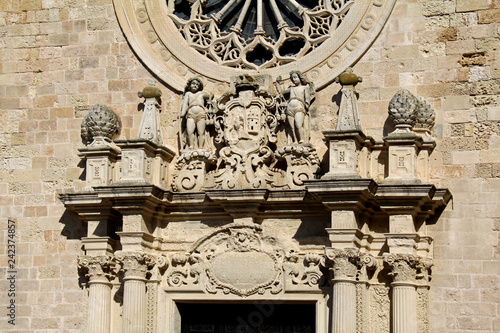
[246, 125]
[185, 269]
[191, 169]
[302, 163]
[241, 150]
[306, 273]
[220, 262]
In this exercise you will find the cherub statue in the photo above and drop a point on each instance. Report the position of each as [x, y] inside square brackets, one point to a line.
[195, 105]
[299, 97]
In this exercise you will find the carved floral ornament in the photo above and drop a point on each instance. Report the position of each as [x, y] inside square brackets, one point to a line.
[216, 39]
[240, 259]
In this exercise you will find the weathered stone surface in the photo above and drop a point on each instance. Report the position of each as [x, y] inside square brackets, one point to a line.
[60, 58]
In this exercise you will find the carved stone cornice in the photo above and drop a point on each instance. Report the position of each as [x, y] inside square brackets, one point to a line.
[98, 269]
[136, 265]
[408, 268]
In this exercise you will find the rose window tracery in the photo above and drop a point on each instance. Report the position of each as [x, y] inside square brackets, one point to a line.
[257, 34]
[218, 40]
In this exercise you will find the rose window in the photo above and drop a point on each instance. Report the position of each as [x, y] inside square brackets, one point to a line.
[256, 34]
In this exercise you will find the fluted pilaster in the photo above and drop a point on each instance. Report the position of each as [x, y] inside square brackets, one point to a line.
[134, 306]
[99, 309]
[345, 265]
[405, 269]
[404, 308]
[135, 266]
[344, 306]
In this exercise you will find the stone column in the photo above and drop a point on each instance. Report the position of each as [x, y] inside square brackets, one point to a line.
[344, 266]
[99, 308]
[135, 266]
[404, 295]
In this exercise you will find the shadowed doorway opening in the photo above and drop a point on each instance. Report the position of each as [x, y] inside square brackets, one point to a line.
[255, 317]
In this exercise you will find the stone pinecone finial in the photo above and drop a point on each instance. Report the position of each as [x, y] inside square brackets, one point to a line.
[425, 116]
[100, 125]
[402, 108]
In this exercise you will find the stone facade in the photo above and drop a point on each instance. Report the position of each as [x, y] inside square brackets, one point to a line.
[61, 58]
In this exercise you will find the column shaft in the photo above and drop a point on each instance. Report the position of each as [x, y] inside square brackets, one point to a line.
[344, 307]
[404, 308]
[98, 320]
[134, 306]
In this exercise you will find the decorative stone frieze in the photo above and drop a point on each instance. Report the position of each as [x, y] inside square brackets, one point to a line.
[221, 259]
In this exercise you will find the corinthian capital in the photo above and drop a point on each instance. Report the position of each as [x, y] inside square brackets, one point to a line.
[136, 265]
[408, 267]
[343, 263]
[97, 269]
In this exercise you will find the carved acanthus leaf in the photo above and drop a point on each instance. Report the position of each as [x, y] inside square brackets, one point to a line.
[98, 268]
